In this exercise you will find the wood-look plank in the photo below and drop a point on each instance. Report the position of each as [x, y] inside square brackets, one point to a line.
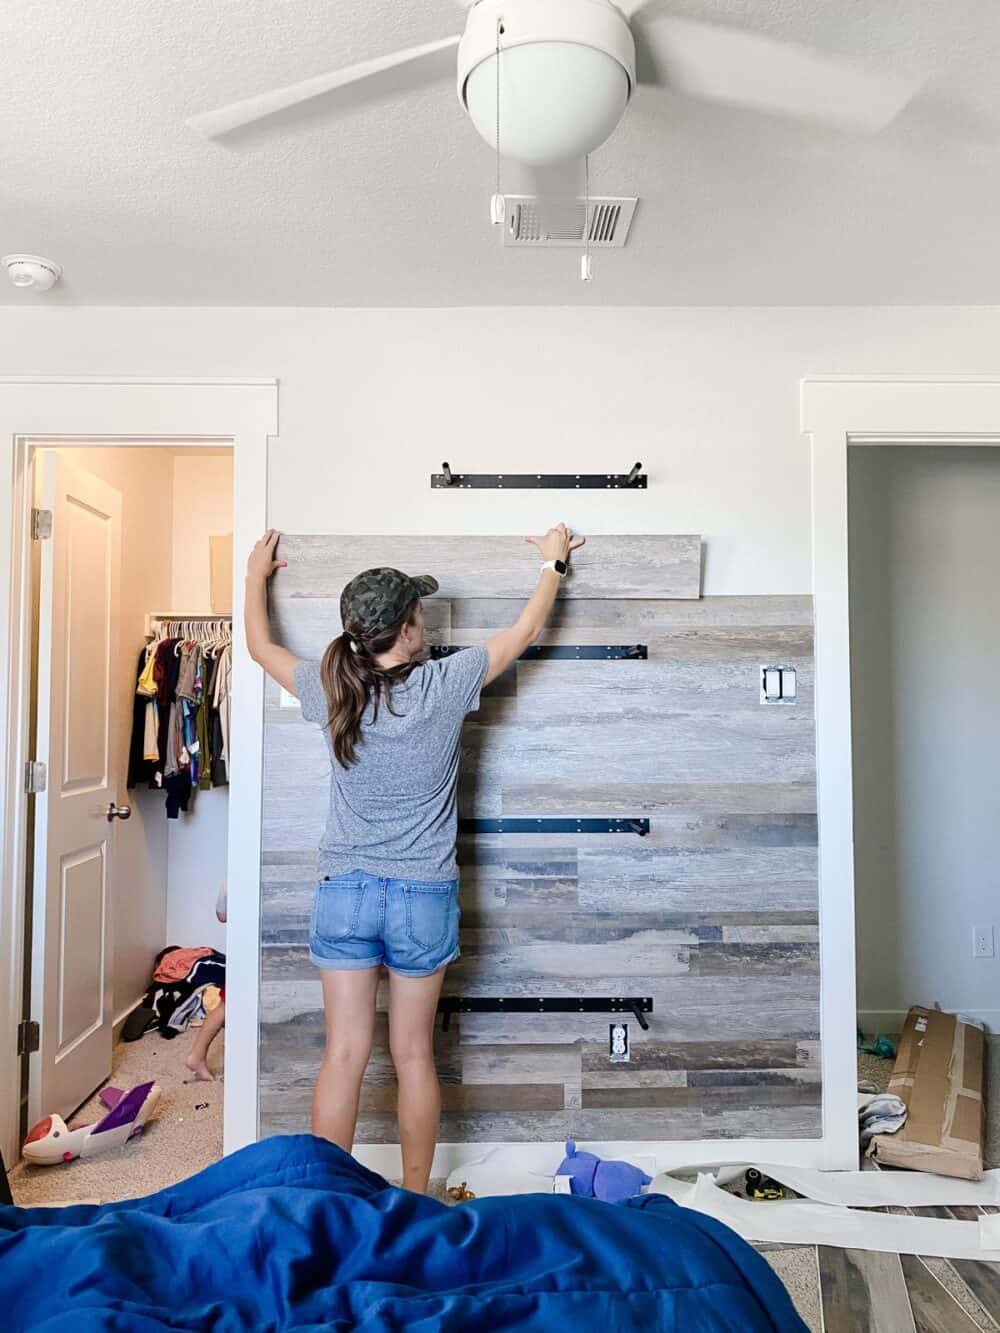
[666, 1124]
[935, 1310]
[501, 1097]
[621, 567]
[644, 617]
[578, 693]
[728, 959]
[982, 1278]
[702, 804]
[683, 747]
[494, 1065]
[863, 1291]
[699, 1055]
[623, 1097]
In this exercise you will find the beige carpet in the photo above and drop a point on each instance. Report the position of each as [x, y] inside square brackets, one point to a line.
[184, 1135]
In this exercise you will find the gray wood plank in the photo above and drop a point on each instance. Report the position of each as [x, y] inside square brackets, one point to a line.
[577, 693]
[666, 1124]
[651, 616]
[622, 567]
[935, 1310]
[743, 959]
[731, 747]
[700, 805]
[494, 1065]
[698, 1055]
[863, 1292]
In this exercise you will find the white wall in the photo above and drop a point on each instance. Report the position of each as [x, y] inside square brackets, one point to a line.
[144, 478]
[925, 632]
[372, 401]
[202, 507]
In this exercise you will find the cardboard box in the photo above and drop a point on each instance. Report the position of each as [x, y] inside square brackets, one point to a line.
[939, 1075]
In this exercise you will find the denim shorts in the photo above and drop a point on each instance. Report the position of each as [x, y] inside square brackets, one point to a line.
[362, 920]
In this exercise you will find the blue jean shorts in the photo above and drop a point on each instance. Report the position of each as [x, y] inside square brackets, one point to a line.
[361, 920]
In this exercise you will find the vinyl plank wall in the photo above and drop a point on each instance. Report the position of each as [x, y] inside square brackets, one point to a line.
[713, 915]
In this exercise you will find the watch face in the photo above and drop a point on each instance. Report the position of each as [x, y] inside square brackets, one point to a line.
[560, 566]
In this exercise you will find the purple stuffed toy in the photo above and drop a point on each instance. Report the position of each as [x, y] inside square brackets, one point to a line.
[591, 1178]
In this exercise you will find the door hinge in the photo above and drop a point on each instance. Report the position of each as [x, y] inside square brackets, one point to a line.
[35, 777]
[41, 524]
[27, 1037]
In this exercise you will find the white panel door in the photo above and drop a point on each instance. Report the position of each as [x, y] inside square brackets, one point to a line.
[71, 991]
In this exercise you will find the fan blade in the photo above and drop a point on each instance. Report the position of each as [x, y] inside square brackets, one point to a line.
[745, 69]
[213, 123]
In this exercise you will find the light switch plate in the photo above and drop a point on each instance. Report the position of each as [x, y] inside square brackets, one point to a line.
[286, 699]
[778, 685]
[982, 942]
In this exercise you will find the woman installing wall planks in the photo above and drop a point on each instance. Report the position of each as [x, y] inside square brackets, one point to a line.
[388, 877]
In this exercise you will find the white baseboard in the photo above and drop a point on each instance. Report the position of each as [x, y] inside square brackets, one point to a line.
[545, 1157]
[883, 1021]
[119, 1018]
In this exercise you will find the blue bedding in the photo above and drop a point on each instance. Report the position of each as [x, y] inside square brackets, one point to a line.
[292, 1233]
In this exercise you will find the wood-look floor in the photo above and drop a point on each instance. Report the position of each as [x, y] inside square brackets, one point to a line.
[863, 1291]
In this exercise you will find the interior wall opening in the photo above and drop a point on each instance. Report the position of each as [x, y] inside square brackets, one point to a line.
[125, 935]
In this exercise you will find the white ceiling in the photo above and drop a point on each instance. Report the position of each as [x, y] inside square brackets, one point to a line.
[380, 195]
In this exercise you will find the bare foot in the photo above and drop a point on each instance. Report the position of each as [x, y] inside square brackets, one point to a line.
[201, 1071]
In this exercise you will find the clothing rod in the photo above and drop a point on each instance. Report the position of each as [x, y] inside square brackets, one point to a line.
[178, 618]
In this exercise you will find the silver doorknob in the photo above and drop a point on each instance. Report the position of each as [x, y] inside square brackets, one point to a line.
[119, 812]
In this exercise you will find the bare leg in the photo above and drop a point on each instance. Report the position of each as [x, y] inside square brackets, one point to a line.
[197, 1057]
[349, 1004]
[412, 1009]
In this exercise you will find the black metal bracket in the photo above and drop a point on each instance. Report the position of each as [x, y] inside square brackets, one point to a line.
[565, 652]
[508, 825]
[636, 1005]
[635, 480]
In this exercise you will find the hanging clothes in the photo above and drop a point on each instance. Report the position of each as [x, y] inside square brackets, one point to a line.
[181, 713]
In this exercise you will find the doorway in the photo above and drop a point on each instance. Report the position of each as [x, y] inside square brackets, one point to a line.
[73, 411]
[924, 546]
[126, 875]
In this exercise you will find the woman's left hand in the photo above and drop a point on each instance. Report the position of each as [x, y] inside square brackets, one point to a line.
[262, 564]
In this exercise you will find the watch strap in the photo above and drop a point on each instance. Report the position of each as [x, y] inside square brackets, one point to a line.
[554, 566]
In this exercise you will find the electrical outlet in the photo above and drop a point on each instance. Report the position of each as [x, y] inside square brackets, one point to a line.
[618, 1044]
[982, 942]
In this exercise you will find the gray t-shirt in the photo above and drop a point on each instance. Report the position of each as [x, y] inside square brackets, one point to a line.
[394, 813]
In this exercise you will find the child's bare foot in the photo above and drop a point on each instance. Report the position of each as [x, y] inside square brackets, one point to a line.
[200, 1069]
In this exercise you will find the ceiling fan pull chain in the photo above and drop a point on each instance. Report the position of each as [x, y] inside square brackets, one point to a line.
[585, 273]
[497, 203]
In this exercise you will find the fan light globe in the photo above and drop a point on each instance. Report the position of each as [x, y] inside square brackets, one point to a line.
[558, 101]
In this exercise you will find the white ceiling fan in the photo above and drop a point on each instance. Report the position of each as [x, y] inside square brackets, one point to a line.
[568, 70]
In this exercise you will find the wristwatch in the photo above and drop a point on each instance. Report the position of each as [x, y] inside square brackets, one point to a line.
[558, 566]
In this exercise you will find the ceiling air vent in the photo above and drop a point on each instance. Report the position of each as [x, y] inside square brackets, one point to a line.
[608, 221]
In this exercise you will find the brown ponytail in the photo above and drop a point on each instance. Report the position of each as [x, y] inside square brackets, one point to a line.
[350, 674]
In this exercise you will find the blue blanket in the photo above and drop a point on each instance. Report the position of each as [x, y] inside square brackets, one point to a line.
[292, 1233]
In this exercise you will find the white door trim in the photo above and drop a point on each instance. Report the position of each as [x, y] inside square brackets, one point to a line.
[838, 412]
[127, 411]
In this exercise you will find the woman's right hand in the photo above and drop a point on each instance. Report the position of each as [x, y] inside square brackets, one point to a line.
[557, 542]
[262, 564]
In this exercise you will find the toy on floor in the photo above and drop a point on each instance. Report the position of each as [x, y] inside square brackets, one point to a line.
[52, 1141]
[593, 1178]
[759, 1186]
[880, 1046]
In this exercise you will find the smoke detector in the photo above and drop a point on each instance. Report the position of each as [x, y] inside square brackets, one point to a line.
[31, 272]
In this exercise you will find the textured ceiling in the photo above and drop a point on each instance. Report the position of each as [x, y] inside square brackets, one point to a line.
[379, 195]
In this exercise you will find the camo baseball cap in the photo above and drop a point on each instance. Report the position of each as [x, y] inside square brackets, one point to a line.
[377, 598]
